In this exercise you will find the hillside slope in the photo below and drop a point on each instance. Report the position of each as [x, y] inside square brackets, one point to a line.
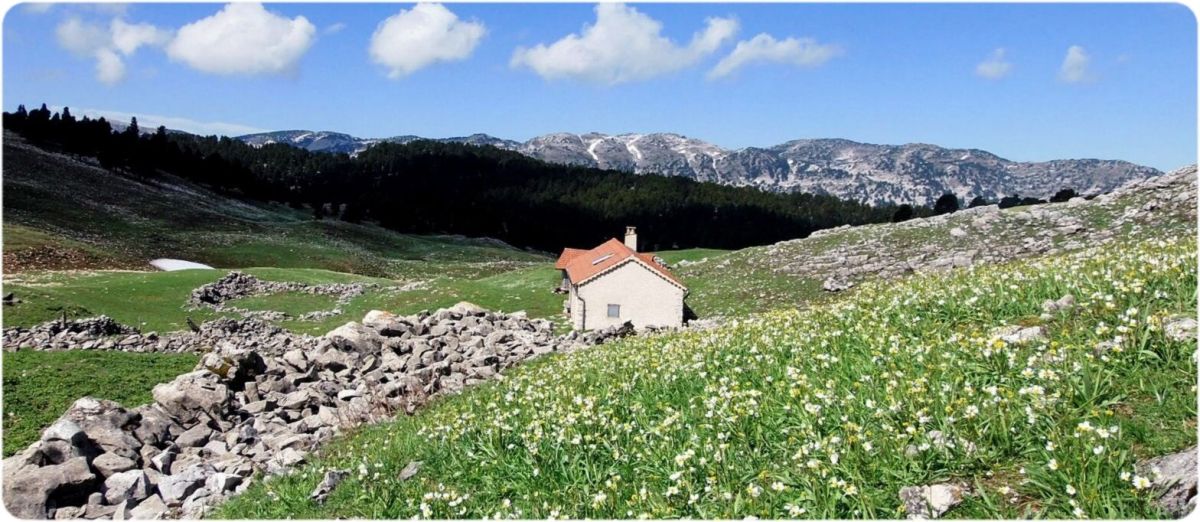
[914, 173]
[790, 273]
[826, 413]
[63, 212]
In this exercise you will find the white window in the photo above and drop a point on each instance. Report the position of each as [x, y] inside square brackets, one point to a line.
[614, 310]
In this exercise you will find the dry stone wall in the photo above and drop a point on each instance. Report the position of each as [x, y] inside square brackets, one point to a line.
[261, 403]
[103, 333]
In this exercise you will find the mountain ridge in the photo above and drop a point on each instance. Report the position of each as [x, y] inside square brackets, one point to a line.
[915, 173]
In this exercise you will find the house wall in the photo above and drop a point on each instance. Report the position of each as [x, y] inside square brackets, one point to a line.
[578, 310]
[646, 299]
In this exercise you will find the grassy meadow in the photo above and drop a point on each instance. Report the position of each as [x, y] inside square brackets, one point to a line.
[825, 412]
[40, 386]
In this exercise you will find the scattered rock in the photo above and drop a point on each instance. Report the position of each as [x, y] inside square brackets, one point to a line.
[836, 284]
[410, 470]
[926, 502]
[1182, 329]
[328, 483]
[1174, 480]
[1019, 334]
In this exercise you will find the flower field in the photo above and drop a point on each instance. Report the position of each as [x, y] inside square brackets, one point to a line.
[820, 413]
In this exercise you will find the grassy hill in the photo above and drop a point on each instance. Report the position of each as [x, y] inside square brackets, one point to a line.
[64, 212]
[791, 273]
[825, 412]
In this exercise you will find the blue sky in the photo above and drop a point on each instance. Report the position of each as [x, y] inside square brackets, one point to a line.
[1026, 81]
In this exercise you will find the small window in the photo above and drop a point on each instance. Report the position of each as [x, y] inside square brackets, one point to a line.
[614, 310]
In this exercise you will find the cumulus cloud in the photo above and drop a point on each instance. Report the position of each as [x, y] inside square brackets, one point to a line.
[1075, 66]
[764, 48]
[110, 68]
[127, 37]
[995, 66]
[81, 38]
[623, 45]
[243, 38]
[418, 37]
[108, 46]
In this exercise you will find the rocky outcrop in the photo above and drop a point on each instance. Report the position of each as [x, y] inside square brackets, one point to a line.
[253, 407]
[841, 257]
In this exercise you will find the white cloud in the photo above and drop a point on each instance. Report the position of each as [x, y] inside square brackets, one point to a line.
[623, 45]
[81, 38]
[127, 37]
[1075, 65]
[996, 65]
[153, 121]
[334, 28]
[243, 38]
[110, 69]
[764, 48]
[109, 47]
[418, 37]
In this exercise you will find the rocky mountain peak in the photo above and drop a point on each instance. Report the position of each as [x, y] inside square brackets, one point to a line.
[915, 173]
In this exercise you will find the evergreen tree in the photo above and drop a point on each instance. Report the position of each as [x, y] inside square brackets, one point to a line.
[903, 213]
[132, 129]
[977, 201]
[946, 204]
[1063, 195]
[1010, 201]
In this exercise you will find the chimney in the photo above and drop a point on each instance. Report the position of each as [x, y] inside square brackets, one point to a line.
[631, 238]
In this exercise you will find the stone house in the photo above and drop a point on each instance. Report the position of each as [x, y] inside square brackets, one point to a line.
[614, 283]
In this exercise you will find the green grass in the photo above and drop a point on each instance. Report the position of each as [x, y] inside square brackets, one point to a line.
[528, 289]
[154, 301]
[812, 410]
[736, 285]
[149, 301]
[673, 257]
[40, 386]
[294, 304]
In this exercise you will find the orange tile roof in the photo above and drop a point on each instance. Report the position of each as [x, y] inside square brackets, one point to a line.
[567, 255]
[582, 265]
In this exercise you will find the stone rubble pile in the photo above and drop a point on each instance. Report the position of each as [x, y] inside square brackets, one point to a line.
[103, 333]
[250, 408]
[235, 285]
